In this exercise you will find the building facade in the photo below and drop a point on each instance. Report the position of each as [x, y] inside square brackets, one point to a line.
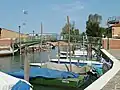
[5, 33]
[116, 30]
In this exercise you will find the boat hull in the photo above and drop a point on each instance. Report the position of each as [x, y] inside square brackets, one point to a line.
[79, 63]
[8, 53]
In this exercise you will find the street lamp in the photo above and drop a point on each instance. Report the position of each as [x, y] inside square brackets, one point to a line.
[19, 38]
[33, 34]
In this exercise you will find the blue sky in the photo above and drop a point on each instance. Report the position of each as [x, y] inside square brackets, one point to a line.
[52, 13]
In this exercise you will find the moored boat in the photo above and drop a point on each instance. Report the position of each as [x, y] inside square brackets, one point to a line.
[77, 53]
[7, 47]
[45, 76]
[78, 62]
[63, 67]
[6, 51]
[8, 82]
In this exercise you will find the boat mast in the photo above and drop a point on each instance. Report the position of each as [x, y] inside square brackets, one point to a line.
[68, 25]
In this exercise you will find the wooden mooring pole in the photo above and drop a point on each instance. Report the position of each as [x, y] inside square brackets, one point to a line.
[19, 39]
[58, 52]
[41, 36]
[68, 25]
[26, 68]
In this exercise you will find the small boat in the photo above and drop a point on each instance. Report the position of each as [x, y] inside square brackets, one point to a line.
[63, 67]
[8, 82]
[7, 50]
[78, 62]
[7, 47]
[77, 53]
[82, 69]
[51, 77]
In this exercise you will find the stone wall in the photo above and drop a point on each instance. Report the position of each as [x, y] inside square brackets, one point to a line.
[6, 42]
[113, 43]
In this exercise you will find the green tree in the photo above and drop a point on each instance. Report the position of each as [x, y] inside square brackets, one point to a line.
[74, 33]
[93, 25]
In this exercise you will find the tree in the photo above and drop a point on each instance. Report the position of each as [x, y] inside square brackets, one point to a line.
[74, 33]
[93, 25]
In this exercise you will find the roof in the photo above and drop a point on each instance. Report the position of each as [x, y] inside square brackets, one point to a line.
[116, 25]
[12, 31]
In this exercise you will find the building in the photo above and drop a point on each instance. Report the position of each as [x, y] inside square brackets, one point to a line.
[5, 33]
[116, 30]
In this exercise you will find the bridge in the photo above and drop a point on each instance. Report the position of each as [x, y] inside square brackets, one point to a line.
[33, 39]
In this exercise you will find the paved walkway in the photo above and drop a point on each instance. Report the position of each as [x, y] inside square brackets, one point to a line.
[114, 83]
[115, 53]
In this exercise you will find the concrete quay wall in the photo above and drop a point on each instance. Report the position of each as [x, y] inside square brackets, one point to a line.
[101, 82]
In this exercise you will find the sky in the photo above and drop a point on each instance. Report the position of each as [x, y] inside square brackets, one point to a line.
[53, 13]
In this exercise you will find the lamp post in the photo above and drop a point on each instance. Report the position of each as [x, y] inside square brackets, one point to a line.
[19, 38]
[33, 34]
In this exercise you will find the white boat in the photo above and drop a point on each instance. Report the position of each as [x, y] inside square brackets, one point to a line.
[7, 82]
[78, 62]
[77, 53]
[7, 47]
[7, 50]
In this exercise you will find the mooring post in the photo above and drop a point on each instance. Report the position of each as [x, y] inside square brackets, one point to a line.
[68, 25]
[58, 52]
[26, 68]
[40, 45]
[12, 46]
[67, 52]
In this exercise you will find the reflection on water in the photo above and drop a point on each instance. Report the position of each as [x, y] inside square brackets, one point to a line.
[12, 63]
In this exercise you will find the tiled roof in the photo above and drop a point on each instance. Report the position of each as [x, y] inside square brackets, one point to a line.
[116, 25]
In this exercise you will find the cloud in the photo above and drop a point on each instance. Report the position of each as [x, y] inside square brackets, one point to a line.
[69, 7]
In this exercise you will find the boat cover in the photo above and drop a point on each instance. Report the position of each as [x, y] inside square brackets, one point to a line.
[66, 67]
[7, 82]
[45, 73]
[20, 85]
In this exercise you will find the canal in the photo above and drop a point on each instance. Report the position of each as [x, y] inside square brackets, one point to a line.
[15, 63]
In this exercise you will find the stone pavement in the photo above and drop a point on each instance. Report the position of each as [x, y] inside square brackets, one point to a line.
[114, 83]
[115, 53]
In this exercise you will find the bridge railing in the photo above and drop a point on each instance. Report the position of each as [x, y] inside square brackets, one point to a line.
[37, 38]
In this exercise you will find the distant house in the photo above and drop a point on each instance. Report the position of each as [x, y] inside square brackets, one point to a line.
[5, 33]
[116, 30]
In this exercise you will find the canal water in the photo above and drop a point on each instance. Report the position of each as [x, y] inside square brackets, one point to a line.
[14, 63]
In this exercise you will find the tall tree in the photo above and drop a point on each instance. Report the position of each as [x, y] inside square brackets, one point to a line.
[93, 25]
[74, 33]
